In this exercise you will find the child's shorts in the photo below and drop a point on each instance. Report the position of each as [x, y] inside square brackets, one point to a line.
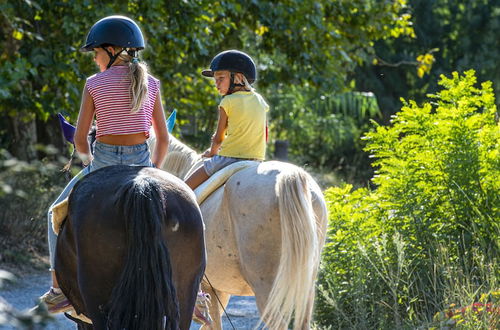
[215, 163]
[107, 154]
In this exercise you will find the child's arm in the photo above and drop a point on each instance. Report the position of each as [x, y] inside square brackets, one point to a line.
[162, 140]
[85, 118]
[219, 135]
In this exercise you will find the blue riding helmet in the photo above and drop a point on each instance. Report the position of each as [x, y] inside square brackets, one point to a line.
[116, 30]
[234, 61]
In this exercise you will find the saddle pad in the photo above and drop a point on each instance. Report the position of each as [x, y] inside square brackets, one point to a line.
[59, 213]
[219, 178]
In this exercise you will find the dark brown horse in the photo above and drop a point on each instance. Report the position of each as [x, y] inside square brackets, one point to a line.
[131, 252]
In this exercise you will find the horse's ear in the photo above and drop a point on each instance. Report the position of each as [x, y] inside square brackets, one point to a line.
[171, 121]
[67, 128]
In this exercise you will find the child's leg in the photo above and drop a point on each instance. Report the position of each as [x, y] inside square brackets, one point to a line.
[54, 299]
[198, 177]
[52, 237]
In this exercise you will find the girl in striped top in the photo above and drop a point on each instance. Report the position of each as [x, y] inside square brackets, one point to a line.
[125, 102]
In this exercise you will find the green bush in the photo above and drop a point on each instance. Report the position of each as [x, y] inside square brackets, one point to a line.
[428, 236]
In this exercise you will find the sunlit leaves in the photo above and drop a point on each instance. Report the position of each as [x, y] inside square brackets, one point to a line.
[442, 150]
[16, 34]
[425, 62]
[437, 185]
[261, 30]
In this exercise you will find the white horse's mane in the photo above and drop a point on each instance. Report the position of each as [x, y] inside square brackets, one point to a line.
[180, 157]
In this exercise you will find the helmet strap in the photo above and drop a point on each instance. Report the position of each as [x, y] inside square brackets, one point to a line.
[112, 58]
[230, 90]
[132, 52]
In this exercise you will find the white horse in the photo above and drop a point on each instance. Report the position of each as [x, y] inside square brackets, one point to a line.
[265, 229]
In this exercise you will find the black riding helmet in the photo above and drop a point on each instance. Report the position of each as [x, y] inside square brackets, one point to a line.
[115, 30]
[234, 61]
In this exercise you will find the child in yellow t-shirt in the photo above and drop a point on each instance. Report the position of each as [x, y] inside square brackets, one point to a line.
[242, 127]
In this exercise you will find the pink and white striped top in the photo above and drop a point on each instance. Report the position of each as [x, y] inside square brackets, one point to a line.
[112, 101]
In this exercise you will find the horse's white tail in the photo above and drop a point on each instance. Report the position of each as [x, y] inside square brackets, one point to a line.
[292, 293]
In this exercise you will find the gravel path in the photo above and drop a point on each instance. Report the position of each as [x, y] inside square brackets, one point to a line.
[23, 294]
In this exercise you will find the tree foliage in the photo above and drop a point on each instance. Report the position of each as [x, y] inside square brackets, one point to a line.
[458, 35]
[429, 235]
[324, 129]
[294, 42]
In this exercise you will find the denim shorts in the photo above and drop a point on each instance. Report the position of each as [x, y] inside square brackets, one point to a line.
[215, 163]
[107, 154]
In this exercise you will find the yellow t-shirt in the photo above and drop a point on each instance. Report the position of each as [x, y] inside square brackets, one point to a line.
[246, 126]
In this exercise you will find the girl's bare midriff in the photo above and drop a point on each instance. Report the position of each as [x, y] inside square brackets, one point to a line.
[123, 140]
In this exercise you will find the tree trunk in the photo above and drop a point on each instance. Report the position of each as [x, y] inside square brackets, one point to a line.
[22, 138]
[50, 133]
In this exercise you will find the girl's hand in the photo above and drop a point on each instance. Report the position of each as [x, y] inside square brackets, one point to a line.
[86, 158]
[212, 151]
[208, 153]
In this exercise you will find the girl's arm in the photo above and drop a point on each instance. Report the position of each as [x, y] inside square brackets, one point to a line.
[162, 140]
[85, 118]
[219, 135]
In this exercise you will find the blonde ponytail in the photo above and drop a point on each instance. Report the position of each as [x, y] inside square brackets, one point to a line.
[138, 84]
[138, 75]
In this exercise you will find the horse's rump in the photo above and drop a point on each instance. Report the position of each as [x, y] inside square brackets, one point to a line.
[264, 230]
[113, 256]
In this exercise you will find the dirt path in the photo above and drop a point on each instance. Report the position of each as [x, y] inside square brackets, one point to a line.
[23, 294]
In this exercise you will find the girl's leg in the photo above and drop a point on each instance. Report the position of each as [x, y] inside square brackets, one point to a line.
[54, 299]
[198, 177]
[64, 194]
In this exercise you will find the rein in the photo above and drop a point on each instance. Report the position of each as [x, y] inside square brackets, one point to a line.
[220, 303]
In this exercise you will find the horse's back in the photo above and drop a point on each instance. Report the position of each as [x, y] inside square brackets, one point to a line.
[94, 201]
[100, 222]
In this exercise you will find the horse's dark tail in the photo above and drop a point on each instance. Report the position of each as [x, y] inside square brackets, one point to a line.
[144, 297]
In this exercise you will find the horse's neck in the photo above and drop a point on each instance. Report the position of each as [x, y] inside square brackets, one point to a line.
[180, 158]
[176, 145]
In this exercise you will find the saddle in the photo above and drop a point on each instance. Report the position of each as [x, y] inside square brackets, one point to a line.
[219, 178]
[59, 213]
